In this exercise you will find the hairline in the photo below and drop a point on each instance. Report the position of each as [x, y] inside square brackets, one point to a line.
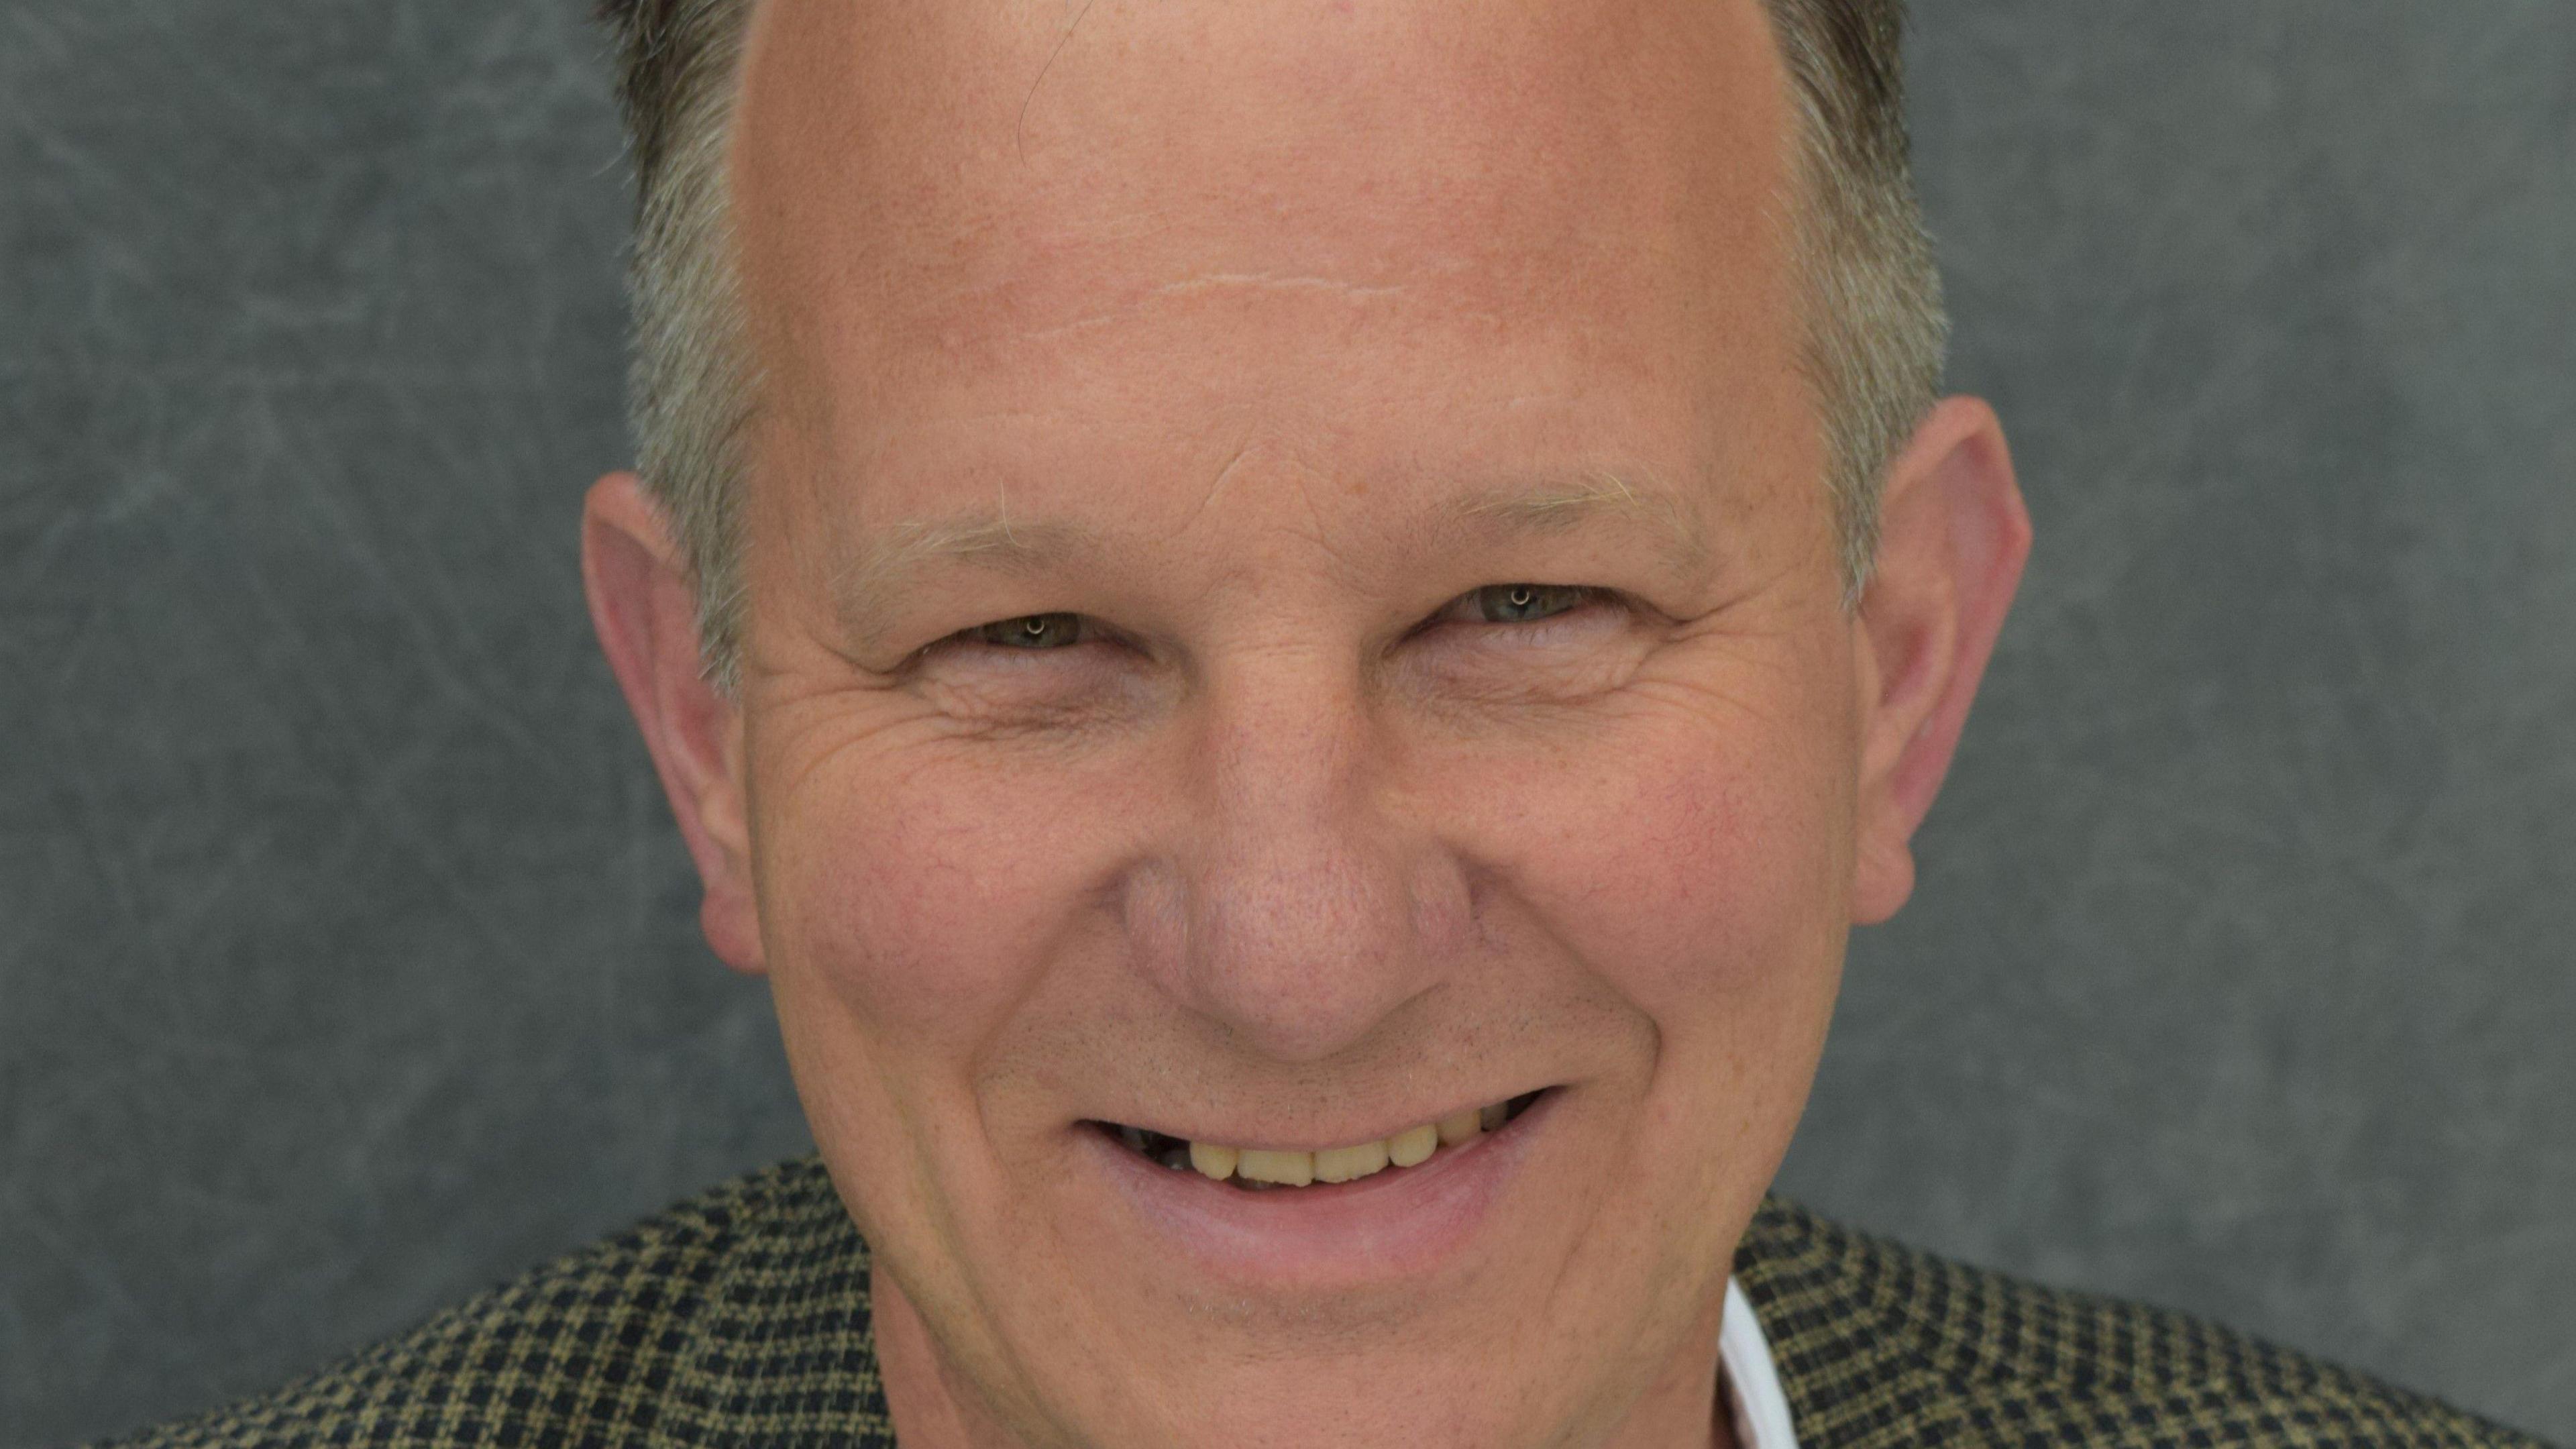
[1869, 299]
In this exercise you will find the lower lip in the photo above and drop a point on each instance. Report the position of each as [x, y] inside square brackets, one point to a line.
[1399, 1223]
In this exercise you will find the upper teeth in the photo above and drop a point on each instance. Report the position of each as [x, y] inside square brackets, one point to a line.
[1345, 1164]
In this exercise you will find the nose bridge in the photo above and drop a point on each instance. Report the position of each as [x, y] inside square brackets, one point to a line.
[1307, 890]
[1286, 738]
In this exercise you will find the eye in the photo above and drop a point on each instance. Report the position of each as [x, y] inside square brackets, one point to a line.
[1031, 631]
[1524, 603]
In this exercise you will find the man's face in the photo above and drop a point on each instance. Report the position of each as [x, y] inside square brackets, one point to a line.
[1415, 681]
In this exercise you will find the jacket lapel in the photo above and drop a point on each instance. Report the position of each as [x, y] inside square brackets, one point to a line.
[1830, 1303]
[782, 1354]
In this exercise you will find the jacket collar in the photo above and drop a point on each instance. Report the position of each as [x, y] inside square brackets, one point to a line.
[1843, 1315]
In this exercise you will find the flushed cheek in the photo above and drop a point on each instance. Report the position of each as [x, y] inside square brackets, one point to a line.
[925, 894]
[1724, 924]
[1686, 873]
[1699, 884]
[911, 912]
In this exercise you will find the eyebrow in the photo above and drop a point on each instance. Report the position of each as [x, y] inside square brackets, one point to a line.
[865, 589]
[1551, 506]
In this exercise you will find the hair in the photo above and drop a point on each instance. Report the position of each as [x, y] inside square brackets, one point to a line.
[1870, 304]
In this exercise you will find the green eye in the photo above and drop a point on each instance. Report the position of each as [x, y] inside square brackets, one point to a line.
[1033, 631]
[1523, 603]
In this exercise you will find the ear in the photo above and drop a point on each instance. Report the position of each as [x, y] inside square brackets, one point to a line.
[645, 610]
[1953, 534]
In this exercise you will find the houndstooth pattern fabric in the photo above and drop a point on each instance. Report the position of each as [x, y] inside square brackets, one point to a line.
[741, 1319]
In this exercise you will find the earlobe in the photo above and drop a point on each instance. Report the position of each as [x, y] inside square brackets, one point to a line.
[644, 610]
[1953, 535]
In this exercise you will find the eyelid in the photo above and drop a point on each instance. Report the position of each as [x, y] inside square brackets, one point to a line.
[1093, 631]
[1014, 633]
[1464, 608]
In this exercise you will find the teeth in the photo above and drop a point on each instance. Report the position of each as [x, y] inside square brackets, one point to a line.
[1259, 1167]
[1350, 1164]
[1288, 1169]
[1217, 1162]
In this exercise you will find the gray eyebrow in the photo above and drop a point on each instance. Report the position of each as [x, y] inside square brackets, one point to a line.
[865, 589]
[1555, 505]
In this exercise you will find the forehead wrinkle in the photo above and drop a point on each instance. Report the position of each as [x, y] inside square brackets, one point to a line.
[874, 579]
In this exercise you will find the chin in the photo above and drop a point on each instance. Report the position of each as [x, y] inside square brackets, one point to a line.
[1520, 1286]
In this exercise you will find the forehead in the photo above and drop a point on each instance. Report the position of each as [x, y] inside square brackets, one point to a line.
[958, 211]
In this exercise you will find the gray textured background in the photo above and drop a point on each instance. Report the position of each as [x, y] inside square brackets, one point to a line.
[347, 958]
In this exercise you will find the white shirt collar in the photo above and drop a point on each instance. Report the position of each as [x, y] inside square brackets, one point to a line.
[1752, 1381]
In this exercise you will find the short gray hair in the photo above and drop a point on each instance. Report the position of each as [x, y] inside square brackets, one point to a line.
[1872, 313]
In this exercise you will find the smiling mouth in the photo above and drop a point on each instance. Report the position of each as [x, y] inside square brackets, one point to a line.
[1256, 1169]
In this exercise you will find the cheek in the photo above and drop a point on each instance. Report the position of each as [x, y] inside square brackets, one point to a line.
[924, 898]
[1704, 874]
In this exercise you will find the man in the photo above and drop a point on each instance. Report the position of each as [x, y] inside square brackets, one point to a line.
[1293, 634]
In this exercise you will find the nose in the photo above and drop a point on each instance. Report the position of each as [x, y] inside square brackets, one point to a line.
[1312, 902]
